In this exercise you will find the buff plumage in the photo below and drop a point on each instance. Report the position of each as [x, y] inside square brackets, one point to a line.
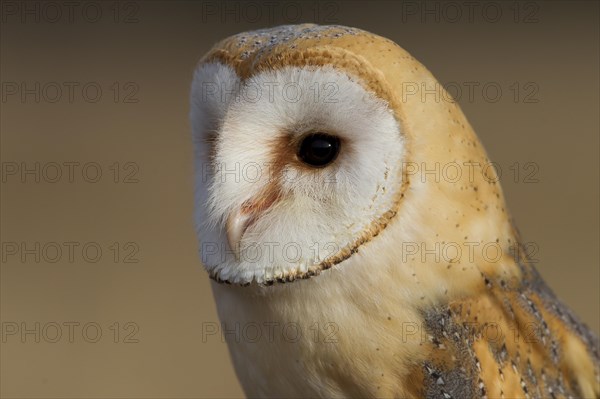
[406, 325]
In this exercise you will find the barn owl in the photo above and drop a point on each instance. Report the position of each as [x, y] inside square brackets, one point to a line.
[358, 243]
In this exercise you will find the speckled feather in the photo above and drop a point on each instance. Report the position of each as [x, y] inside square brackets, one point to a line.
[510, 339]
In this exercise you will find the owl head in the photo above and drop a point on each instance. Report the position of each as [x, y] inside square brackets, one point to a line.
[305, 141]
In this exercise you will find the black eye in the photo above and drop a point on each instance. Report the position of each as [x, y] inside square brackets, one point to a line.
[319, 149]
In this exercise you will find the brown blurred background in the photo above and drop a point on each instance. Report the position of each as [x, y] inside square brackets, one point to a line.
[137, 326]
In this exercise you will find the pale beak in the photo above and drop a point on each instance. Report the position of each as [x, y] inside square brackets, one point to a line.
[241, 218]
[237, 223]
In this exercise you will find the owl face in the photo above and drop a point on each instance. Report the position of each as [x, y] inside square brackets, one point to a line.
[295, 166]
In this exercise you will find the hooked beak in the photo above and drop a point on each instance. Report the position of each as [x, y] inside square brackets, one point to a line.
[237, 223]
[241, 218]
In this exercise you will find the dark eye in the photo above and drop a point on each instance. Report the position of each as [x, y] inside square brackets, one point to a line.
[319, 149]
